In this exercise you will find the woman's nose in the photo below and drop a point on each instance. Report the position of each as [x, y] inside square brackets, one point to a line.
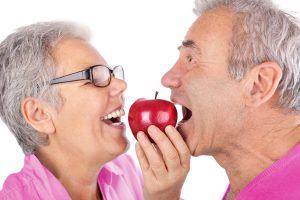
[118, 86]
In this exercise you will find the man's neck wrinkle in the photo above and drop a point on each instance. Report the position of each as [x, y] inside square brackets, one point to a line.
[244, 160]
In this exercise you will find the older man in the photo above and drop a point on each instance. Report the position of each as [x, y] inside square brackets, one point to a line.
[238, 81]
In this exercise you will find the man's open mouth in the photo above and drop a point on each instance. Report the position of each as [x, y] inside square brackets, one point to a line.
[186, 115]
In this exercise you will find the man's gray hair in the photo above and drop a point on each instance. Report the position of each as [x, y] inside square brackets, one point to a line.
[26, 66]
[262, 32]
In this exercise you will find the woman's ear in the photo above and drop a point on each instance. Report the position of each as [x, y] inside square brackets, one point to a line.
[261, 83]
[37, 114]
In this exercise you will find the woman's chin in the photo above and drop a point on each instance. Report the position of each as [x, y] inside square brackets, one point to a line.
[119, 148]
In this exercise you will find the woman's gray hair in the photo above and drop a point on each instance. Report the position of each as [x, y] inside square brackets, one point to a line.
[26, 66]
[262, 32]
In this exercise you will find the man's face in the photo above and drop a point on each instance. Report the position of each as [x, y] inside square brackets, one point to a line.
[79, 124]
[199, 81]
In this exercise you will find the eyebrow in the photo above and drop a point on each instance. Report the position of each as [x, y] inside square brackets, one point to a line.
[189, 44]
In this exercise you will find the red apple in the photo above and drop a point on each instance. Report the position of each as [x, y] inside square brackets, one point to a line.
[146, 112]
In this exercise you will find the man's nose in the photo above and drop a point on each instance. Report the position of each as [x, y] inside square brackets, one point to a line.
[172, 78]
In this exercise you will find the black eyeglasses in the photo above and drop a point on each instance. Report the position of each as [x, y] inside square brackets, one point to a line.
[99, 75]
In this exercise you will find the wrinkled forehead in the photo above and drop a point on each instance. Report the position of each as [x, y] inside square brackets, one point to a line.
[212, 30]
[74, 54]
[214, 25]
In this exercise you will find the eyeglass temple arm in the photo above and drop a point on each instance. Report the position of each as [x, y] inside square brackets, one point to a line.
[83, 75]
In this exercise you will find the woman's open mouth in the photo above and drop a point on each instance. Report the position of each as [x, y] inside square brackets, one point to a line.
[114, 118]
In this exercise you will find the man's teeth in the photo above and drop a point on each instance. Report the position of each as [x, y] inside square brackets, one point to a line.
[115, 114]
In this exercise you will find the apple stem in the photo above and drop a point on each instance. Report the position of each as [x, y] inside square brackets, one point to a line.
[156, 93]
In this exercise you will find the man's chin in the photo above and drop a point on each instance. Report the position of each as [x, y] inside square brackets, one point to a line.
[189, 141]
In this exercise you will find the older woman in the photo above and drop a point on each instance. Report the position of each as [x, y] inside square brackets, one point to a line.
[64, 106]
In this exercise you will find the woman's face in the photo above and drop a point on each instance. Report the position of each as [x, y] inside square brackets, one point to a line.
[79, 122]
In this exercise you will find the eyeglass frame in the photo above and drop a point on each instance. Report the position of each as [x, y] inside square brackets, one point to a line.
[86, 74]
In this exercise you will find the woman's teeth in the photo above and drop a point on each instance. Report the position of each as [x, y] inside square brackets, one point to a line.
[115, 114]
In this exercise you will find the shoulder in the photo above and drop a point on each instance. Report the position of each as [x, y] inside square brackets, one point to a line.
[14, 185]
[29, 183]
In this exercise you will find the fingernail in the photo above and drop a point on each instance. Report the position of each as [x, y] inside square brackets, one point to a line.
[141, 136]
[152, 130]
[169, 129]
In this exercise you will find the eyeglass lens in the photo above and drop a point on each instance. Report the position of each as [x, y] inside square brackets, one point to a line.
[118, 72]
[102, 76]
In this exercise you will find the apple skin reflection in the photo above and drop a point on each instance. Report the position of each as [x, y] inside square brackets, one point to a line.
[146, 112]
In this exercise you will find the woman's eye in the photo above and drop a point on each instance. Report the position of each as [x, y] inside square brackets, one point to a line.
[88, 82]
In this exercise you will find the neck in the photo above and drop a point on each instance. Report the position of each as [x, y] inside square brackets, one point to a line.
[78, 175]
[254, 151]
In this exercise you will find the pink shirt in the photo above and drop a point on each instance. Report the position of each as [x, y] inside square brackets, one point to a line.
[281, 181]
[118, 180]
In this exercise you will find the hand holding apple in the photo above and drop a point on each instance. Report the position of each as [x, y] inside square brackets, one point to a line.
[164, 165]
[146, 112]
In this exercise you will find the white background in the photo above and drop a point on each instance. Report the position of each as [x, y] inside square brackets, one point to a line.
[141, 35]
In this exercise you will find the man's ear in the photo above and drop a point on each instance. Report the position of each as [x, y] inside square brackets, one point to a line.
[38, 115]
[261, 83]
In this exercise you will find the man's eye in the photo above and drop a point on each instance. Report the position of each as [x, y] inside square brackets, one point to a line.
[189, 59]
